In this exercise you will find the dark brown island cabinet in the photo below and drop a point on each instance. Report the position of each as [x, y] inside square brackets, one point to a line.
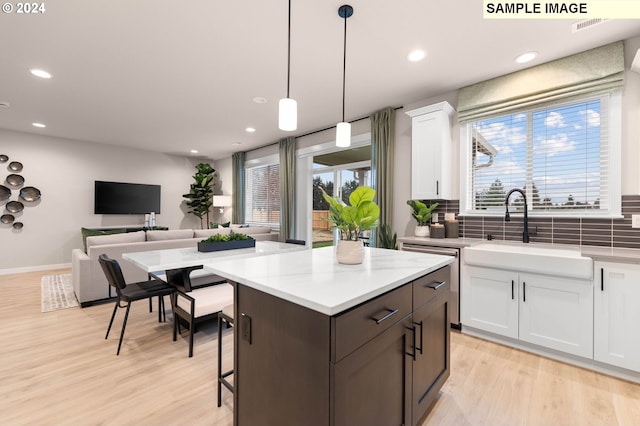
[382, 362]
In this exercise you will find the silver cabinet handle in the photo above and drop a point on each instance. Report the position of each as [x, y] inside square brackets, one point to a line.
[436, 285]
[386, 317]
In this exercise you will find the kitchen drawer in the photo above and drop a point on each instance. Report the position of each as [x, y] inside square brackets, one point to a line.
[357, 326]
[431, 286]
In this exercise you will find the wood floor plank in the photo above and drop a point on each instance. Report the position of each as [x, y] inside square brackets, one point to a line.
[56, 368]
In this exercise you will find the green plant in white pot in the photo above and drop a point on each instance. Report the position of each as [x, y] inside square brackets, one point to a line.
[422, 214]
[360, 215]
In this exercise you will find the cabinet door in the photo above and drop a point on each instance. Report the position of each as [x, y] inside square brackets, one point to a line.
[431, 367]
[557, 313]
[490, 300]
[431, 156]
[617, 314]
[373, 384]
[281, 362]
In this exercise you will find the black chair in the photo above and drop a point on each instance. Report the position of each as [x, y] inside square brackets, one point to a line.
[224, 316]
[292, 241]
[131, 292]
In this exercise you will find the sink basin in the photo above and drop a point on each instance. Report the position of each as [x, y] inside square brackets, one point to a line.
[538, 259]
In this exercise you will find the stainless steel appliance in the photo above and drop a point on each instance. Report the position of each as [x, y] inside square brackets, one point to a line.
[455, 274]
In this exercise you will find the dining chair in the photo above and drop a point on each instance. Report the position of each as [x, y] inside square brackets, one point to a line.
[195, 305]
[131, 292]
[293, 241]
[224, 316]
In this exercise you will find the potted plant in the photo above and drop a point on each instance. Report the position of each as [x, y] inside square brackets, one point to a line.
[200, 194]
[422, 214]
[361, 215]
[386, 239]
[229, 241]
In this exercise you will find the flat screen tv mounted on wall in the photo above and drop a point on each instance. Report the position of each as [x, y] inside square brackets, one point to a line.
[126, 198]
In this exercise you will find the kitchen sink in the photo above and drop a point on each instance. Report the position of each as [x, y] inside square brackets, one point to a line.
[538, 259]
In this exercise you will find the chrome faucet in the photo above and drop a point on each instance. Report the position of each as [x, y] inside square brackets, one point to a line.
[507, 217]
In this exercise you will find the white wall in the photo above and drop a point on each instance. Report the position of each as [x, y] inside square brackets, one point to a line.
[65, 171]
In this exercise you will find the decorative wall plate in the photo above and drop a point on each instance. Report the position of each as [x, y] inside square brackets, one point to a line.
[17, 225]
[15, 166]
[5, 193]
[30, 193]
[15, 180]
[3, 158]
[7, 218]
[14, 206]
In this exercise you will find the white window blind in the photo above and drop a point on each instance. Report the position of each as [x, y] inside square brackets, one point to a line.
[262, 195]
[559, 155]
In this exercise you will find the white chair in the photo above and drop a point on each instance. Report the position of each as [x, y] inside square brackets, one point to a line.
[194, 305]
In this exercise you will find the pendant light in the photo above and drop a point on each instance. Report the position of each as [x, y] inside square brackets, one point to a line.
[343, 129]
[288, 108]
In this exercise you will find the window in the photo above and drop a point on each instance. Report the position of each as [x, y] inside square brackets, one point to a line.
[262, 195]
[560, 155]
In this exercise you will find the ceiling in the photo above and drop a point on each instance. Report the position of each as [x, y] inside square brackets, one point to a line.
[173, 76]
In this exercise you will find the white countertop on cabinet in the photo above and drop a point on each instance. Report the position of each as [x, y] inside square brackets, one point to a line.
[315, 280]
[440, 242]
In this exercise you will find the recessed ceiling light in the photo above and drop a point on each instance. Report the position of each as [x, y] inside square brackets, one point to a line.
[260, 100]
[416, 55]
[40, 73]
[250, 129]
[526, 57]
[38, 125]
[236, 143]
[194, 151]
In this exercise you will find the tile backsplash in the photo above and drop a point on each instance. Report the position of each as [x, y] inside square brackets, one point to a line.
[593, 232]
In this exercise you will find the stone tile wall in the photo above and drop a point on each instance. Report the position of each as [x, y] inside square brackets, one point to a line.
[593, 232]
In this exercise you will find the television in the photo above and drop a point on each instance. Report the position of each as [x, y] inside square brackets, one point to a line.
[126, 198]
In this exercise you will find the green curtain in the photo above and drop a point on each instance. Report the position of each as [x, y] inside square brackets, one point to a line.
[595, 71]
[237, 160]
[382, 149]
[287, 187]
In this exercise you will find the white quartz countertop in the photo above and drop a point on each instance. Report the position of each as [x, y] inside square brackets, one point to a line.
[161, 260]
[315, 280]
[611, 254]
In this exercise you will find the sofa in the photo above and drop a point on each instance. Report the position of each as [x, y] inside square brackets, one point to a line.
[89, 282]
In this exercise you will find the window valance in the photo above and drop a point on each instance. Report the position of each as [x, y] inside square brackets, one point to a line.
[594, 72]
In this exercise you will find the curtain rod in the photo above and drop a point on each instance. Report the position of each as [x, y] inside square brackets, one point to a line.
[313, 132]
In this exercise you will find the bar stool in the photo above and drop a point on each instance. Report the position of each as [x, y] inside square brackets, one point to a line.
[226, 315]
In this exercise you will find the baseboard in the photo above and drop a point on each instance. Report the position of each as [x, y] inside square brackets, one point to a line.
[34, 268]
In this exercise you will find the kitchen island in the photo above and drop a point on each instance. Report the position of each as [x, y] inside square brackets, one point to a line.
[317, 342]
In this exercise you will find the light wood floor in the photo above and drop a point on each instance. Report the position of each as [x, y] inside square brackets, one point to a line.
[56, 368]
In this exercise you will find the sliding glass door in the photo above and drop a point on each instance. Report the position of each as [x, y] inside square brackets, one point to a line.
[336, 179]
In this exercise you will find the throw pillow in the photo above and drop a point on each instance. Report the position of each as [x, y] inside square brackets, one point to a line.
[87, 232]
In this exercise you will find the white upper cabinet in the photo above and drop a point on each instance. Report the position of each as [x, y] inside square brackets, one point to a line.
[431, 171]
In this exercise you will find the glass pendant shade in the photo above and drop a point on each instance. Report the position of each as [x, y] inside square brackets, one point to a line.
[288, 115]
[343, 134]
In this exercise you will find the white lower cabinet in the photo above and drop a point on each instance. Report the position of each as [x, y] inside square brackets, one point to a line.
[556, 313]
[547, 311]
[617, 314]
[490, 300]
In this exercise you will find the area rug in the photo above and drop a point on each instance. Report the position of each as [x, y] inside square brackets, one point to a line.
[57, 293]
